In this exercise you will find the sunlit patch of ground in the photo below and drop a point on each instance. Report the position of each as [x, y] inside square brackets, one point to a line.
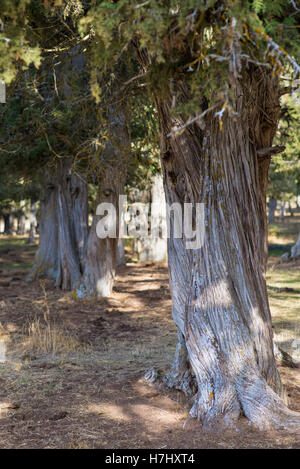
[91, 394]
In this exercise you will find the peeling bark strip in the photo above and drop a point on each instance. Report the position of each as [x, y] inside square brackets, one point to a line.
[101, 254]
[219, 293]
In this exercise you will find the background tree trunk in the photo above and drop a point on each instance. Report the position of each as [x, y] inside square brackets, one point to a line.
[63, 228]
[120, 252]
[22, 218]
[7, 223]
[154, 248]
[33, 222]
[219, 293]
[101, 254]
[282, 211]
[272, 207]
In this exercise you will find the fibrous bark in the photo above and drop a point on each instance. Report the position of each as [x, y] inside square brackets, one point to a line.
[220, 302]
[63, 228]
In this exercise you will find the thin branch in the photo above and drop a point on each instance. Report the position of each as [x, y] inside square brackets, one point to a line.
[190, 121]
[285, 90]
[134, 78]
[269, 151]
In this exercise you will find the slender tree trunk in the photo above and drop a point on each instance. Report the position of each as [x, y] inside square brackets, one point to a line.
[220, 302]
[101, 254]
[158, 251]
[154, 247]
[7, 223]
[33, 222]
[272, 207]
[291, 210]
[22, 218]
[282, 211]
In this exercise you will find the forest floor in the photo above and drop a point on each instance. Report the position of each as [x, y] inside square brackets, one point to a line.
[72, 370]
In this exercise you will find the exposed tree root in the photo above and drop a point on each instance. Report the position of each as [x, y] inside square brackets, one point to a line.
[180, 376]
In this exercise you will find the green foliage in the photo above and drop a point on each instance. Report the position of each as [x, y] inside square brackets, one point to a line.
[16, 51]
[285, 167]
[203, 41]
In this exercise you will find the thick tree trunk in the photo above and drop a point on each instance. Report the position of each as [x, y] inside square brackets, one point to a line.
[101, 254]
[33, 222]
[219, 293]
[63, 229]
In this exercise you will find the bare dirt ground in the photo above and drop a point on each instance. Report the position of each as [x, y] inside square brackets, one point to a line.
[73, 375]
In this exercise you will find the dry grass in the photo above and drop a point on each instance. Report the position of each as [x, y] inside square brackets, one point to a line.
[78, 383]
[45, 336]
[50, 338]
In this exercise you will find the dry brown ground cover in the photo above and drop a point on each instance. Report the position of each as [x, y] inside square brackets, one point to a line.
[74, 371]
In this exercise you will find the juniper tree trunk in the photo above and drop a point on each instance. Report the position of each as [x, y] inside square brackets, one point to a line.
[46, 262]
[72, 212]
[220, 302]
[101, 254]
[63, 229]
